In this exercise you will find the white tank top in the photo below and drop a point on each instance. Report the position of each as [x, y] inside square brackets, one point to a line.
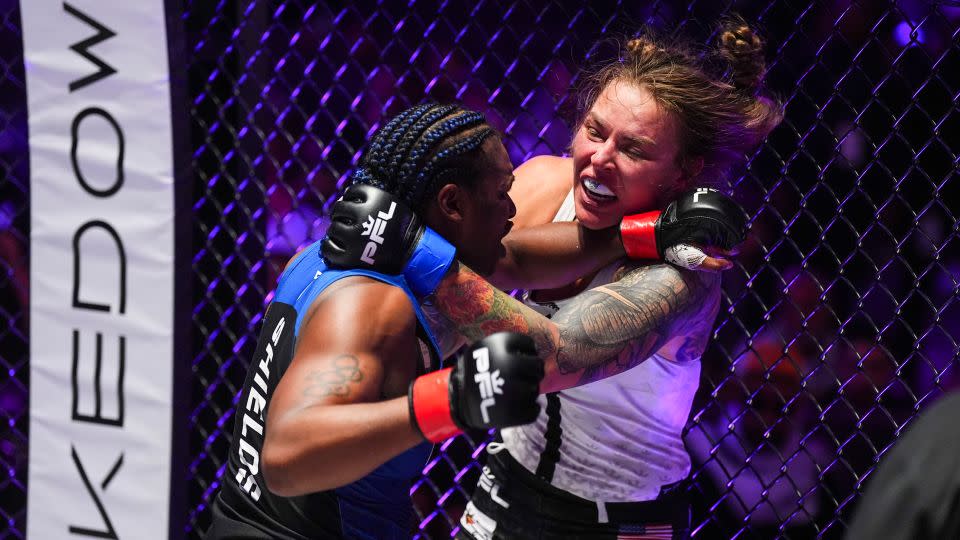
[620, 437]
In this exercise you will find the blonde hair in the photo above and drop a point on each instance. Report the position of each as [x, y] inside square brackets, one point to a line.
[720, 116]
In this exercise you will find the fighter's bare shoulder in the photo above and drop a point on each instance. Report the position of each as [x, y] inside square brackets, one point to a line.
[541, 184]
[363, 306]
[368, 323]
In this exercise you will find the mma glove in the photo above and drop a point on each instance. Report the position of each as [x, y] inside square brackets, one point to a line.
[494, 384]
[703, 217]
[373, 230]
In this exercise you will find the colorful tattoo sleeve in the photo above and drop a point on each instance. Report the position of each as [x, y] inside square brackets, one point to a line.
[597, 334]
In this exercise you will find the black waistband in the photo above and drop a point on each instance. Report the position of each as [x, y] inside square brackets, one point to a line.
[522, 486]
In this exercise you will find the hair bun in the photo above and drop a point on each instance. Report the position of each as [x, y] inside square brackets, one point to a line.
[641, 47]
[743, 49]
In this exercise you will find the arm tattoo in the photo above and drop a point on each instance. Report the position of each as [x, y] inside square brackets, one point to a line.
[477, 309]
[610, 329]
[334, 380]
[599, 333]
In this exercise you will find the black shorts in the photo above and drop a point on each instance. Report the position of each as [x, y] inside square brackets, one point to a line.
[510, 502]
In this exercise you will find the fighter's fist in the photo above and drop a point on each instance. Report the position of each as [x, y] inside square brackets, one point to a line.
[495, 383]
[702, 218]
[374, 230]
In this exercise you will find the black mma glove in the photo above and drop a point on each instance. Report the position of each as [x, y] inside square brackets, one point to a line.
[702, 217]
[494, 384]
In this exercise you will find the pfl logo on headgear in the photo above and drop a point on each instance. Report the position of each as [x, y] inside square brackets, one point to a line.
[374, 229]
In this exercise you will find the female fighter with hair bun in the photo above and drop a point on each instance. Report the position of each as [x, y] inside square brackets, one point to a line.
[327, 435]
[605, 458]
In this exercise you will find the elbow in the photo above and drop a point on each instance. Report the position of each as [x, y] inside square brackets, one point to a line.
[555, 379]
[283, 472]
[508, 274]
[276, 469]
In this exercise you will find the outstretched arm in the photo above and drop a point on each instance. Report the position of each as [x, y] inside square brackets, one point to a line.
[602, 332]
[546, 256]
[554, 254]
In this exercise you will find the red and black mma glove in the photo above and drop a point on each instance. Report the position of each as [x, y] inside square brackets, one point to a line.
[703, 217]
[494, 384]
[373, 230]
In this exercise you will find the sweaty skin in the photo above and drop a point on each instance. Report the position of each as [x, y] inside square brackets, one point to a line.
[347, 383]
[346, 386]
[600, 333]
[628, 145]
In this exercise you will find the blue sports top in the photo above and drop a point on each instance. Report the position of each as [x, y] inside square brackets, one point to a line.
[375, 507]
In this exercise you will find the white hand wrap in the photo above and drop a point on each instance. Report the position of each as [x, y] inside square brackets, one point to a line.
[685, 256]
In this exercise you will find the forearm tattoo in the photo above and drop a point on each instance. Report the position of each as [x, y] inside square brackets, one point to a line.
[477, 309]
[599, 333]
[610, 329]
[335, 380]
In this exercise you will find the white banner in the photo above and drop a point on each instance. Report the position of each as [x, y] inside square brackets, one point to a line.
[101, 268]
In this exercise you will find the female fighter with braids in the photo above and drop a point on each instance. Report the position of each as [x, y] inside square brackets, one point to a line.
[326, 439]
[622, 346]
[345, 385]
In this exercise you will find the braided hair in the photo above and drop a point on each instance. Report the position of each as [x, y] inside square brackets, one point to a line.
[423, 148]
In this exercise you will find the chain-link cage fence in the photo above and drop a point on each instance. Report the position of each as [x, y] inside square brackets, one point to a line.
[14, 275]
[838, 323]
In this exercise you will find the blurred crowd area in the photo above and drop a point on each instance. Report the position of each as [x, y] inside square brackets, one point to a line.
[839, 321]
